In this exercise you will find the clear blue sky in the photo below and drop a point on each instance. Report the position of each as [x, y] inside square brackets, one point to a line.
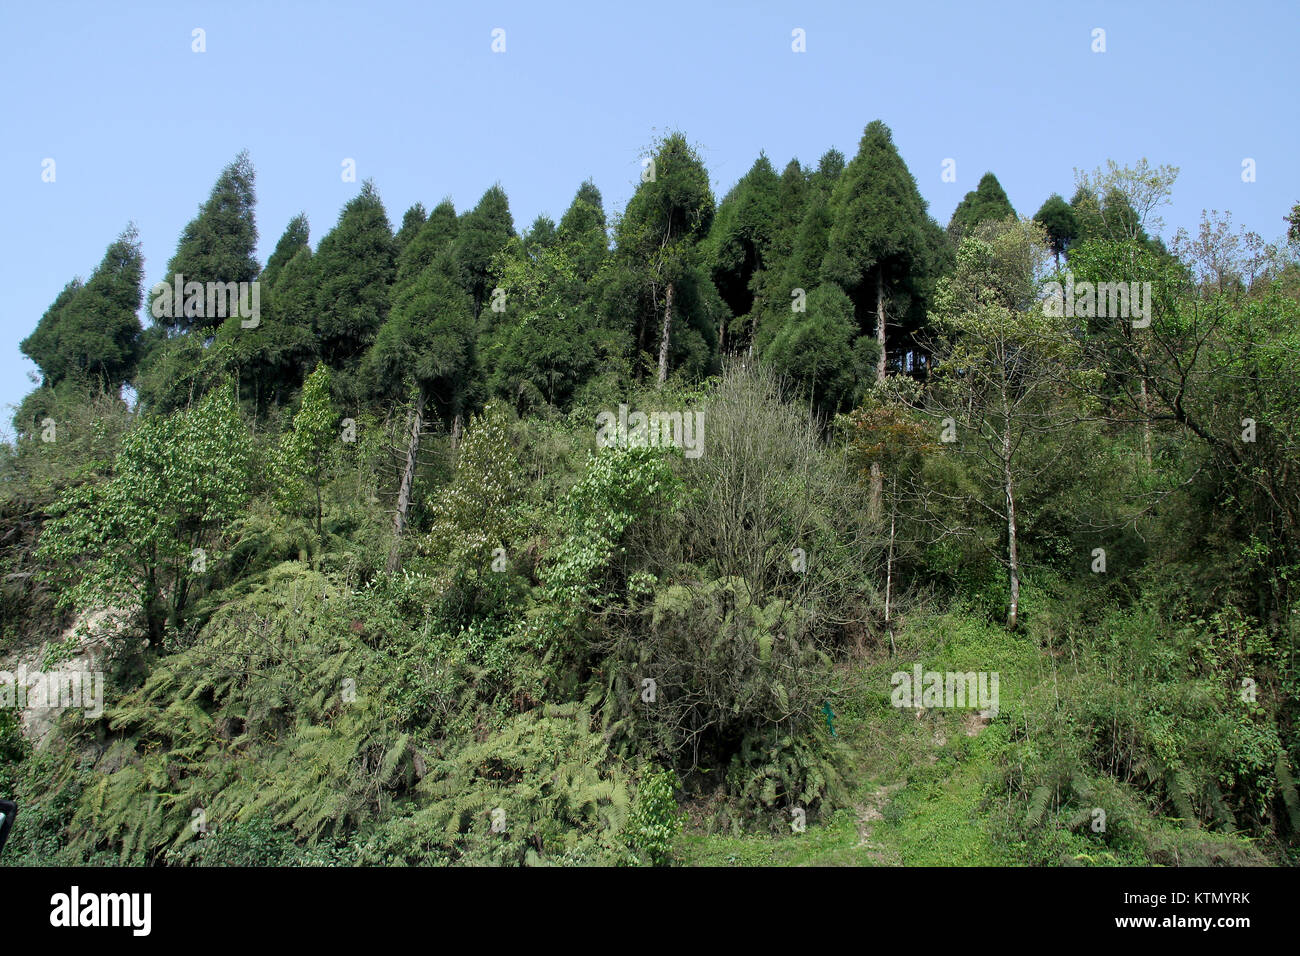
[140, 126]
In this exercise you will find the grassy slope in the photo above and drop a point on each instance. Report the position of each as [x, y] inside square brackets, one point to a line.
[919, 779]
[922, 782]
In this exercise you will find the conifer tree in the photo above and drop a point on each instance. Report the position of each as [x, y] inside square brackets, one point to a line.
[736, 249]
[354, 268]
[482, 234]
[802, 265]
[539, 236]
[814, 349]
[219, 244]
[296, 236]
[583, 227]
[268, 360]
[1058, 221]
[434, 237]
[883, 243]
[412, 220]
[987, 201]
[428, 341]
[91, 332]
[303, 452]
[667, 216]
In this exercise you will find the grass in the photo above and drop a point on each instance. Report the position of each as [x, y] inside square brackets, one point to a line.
[920, 779]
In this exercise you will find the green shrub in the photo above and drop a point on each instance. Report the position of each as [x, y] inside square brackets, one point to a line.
[655, 821]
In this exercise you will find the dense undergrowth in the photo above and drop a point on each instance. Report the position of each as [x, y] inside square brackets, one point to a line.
[317, 710]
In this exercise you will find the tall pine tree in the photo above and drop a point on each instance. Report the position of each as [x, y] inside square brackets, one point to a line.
[354, 267]
[657, 236]
[483, 233]
[986, 202]
[91, 332]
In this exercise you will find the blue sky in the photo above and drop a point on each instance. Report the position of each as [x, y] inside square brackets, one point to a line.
[139, 125]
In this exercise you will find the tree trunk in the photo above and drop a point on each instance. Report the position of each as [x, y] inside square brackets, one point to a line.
[665, 338]
[877, 479]
[408, 479]
[155, 613]
[1146, 423]
[889, 567]
[1013, 554]
[880, 325]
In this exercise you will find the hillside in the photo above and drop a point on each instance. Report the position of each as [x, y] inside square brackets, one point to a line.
[785, 527]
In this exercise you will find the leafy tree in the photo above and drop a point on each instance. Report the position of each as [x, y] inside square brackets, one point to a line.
[1002, 361]
[655, 820]
[475, 515]
[300, 466]
[148, 533]
[1120, 202]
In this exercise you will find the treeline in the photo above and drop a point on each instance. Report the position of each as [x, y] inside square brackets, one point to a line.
[825, 272]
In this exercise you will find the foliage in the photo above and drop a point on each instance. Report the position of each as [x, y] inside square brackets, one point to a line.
[146, 535]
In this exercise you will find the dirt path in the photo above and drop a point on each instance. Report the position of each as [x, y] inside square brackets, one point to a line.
[869, 812]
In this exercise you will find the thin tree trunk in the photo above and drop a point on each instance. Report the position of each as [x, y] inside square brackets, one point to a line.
[1146, 423]
[1013, 554]
[877, 479]
[665, 338]
[408, 479]
[880, 325]
[889, 568]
